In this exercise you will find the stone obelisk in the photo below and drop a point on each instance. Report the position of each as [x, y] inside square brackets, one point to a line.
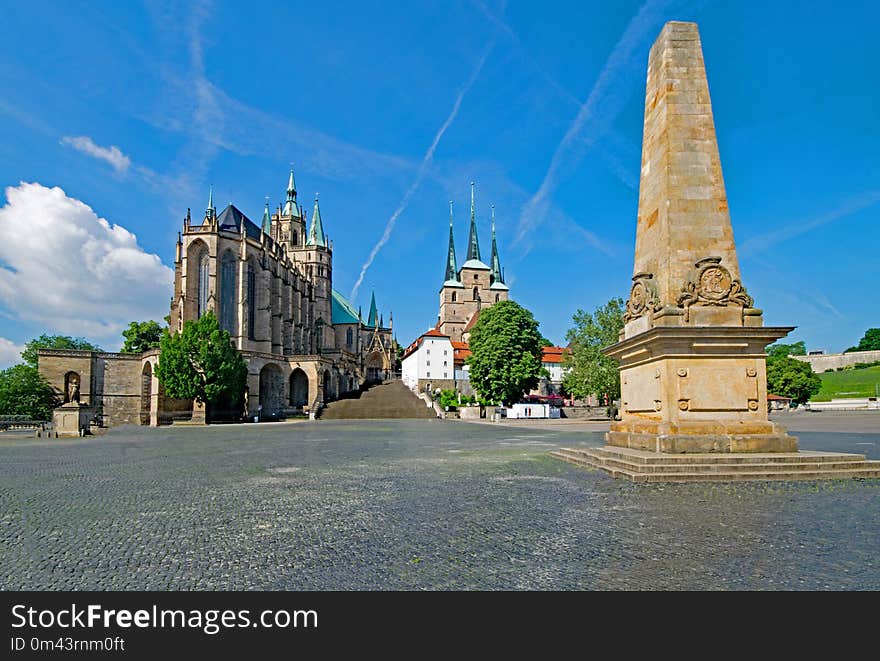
[692, 353]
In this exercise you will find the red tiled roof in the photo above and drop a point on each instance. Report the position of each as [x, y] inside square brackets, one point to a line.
[553, 354]
[434, 332]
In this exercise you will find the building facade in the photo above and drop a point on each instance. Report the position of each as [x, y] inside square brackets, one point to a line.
[464, 293]
[271, 287]
[474, 286]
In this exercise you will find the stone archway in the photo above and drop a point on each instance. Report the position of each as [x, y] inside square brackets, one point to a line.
[271, 392]
[299, 389]
[146, 393]
[375, 367]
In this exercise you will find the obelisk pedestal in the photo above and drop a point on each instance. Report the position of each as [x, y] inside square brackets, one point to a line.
[693, 376]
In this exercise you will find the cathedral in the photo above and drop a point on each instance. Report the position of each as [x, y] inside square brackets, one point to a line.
[475, 285]
[270, 285]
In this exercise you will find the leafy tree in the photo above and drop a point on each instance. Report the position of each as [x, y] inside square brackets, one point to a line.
[141, 335]
[201, 363]
[588, 371]
[29, 355]
[785, 350]
[869, 342]
[449, 398]
[505, 358]
[24, 392]
[791, 378]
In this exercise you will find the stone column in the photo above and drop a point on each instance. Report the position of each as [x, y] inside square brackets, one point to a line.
[692, 361]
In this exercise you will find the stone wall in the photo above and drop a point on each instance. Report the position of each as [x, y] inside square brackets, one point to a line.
[833, 361]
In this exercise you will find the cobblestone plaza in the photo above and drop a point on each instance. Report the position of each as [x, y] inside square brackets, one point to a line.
[410, 505]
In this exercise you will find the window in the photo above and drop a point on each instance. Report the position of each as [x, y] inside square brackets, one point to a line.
[453, 297]
[476, 277]
[228, 293]
[428, 375]
[445, 375]
[293, 238]
[445, 364]
[428, 351]
[476, 293]
[497, 296]
[251, 301]
[348, 337]
[428, 363]
[445, 352]
[203, 283]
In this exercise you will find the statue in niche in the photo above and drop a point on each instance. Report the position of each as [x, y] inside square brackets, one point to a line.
[73, 388]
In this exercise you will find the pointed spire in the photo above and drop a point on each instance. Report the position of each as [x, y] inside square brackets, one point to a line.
[211, 212]
[374, 315]
[267, 221]
[451, 265]
[290, 208]
[473, 244]
[316, 230]
[497, 275]
[360, 314]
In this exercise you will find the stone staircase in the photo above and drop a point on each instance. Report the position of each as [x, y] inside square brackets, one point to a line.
[391, 399]
[642, 466]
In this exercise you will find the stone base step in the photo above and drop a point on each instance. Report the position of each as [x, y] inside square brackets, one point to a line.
[643, 466]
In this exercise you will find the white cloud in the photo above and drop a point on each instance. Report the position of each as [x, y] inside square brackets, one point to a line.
[112, 154]
[10, 353]
[64, 267]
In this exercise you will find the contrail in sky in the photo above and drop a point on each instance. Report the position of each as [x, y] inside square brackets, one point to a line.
[423, 169]
[603, 104]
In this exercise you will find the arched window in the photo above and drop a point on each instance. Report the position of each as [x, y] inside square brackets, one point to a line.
[203, 283]
[251, 301]
[349, 337]
[497, 297]
[228, 293]
[476, 293]
[293, 238]
[454, 297]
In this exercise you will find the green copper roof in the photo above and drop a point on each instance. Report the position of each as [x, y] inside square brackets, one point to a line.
[497, 275]
[211, 212]
[290, 205]
[473, 244]
[316, 230]
[267, 221]
[342, 311]
[451, 265]
[373, 317]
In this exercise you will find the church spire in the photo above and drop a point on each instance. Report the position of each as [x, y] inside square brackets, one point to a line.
[267, 222]
[290, 205]
[211, 212]
[316, 230]
[372, 320]
[473, 244]
[497, 275]
[451, 265]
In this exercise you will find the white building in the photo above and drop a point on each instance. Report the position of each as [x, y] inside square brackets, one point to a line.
[429, 362]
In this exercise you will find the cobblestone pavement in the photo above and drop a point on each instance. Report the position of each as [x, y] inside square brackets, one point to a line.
[415, 504]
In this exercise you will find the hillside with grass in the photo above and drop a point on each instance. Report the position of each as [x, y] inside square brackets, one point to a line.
[849, 382]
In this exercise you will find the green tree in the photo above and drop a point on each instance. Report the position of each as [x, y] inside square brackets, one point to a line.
[588, 371]
[29, 355]
[785, 350]
[791, 378]
[201, 363]
[24, 392]
[870, 341]
[505, 358]
[141, 335]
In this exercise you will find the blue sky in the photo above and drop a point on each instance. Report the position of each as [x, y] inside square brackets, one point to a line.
[127, 112]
